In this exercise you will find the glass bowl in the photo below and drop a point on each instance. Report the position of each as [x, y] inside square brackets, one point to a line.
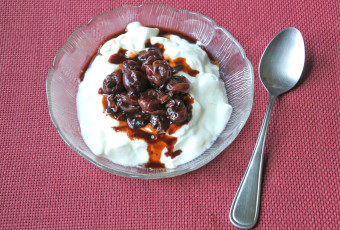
[63, 78]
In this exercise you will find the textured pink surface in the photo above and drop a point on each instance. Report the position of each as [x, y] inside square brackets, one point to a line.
[44, 184]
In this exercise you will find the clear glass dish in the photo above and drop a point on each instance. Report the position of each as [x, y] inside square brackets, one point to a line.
[63, 78]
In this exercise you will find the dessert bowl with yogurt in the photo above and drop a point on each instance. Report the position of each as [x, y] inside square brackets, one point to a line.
[156, 98]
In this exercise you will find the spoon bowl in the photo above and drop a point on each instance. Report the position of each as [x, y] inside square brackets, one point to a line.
[280, 69]
[282, 61]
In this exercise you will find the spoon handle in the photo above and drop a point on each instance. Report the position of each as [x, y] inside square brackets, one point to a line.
[245, 207]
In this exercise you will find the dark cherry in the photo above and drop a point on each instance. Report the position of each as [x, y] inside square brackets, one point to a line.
[150, 55]
[130, 65]
[178, 84]
[136, 122]
[113, 83]
[129, 108]
[112, 105]
[158, 74]
[150, 102]
[177, 111]
[128, 98]
[134, 81]
[159, 122]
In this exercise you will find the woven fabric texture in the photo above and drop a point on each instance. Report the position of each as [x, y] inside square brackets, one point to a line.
[44, 184]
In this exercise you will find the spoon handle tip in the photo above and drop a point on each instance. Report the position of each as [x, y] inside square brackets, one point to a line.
[244, 210]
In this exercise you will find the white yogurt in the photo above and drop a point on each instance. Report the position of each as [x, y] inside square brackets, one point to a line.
[210, 113]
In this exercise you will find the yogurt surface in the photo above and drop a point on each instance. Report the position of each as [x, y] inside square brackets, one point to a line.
[210, 112]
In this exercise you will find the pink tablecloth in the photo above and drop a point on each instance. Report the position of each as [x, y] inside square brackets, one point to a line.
[44, 184]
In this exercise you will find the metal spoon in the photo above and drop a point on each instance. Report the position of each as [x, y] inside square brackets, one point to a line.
[280, 69]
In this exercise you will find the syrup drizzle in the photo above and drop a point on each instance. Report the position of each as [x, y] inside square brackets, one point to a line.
[156, 142]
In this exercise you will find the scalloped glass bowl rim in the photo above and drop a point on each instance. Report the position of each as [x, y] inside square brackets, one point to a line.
[165, 174]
